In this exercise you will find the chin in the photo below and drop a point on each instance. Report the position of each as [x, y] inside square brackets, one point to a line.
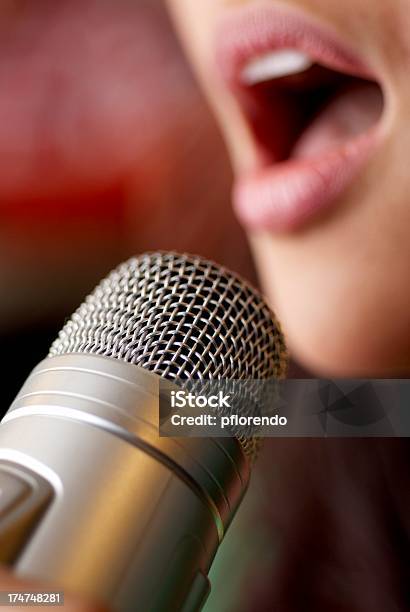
[330, 348]
[344, 311]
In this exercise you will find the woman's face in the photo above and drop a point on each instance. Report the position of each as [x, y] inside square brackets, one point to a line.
[313, 97]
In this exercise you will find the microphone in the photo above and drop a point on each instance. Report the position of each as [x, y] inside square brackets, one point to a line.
[92, 499]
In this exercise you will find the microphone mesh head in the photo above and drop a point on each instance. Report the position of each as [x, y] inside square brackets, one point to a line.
[179, 316]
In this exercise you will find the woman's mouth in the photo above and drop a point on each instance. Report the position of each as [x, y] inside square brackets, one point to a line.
[314, 110]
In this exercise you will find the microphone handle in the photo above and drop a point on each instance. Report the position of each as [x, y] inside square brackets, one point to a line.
[95, 502]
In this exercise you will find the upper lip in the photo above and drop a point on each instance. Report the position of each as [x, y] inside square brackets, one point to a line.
[247, 33]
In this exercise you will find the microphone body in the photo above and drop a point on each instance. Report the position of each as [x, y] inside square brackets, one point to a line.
[92, 499]
[113, 511]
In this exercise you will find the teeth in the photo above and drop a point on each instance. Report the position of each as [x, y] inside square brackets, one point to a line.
[275, 64]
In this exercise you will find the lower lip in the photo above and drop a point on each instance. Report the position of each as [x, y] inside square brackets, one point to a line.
[287, 195]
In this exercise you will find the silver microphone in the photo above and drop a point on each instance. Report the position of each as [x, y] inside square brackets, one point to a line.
[91, 497]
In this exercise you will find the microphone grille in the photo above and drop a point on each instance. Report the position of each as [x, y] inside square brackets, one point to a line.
[179, 316]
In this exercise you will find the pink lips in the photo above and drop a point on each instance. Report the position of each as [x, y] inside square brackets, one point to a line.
[282, 196]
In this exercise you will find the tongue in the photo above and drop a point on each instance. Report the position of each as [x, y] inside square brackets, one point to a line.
[351, 112]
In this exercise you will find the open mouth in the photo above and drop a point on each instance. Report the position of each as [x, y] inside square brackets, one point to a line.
[298, 108]
[314, 111]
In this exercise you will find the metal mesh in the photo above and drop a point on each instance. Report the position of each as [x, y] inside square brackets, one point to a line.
[182, 317]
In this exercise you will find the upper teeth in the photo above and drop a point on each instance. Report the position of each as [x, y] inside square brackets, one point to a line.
[275, 64]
